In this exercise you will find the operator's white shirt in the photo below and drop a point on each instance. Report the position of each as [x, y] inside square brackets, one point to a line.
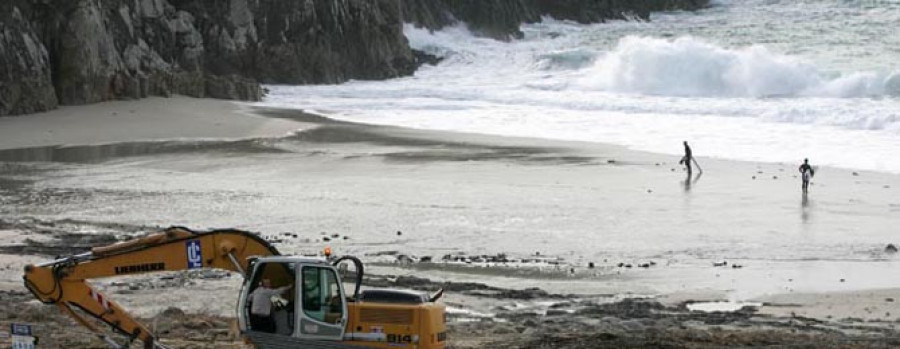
[261, 298]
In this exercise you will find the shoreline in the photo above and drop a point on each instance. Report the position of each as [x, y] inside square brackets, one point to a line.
[201, 119]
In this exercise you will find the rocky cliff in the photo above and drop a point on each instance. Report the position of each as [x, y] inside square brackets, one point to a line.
[85, 51]
[25, 83]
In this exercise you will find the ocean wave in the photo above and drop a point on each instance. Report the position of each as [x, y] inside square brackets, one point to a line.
[691, 67]
[442, 43]
[567, 59]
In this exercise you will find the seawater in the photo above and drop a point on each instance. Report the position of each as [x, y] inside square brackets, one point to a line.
[771, 81]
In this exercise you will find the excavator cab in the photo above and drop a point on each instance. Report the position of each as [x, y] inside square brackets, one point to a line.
[296, 302]
[292, 300]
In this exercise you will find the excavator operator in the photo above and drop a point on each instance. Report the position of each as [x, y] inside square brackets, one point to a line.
[261, 309]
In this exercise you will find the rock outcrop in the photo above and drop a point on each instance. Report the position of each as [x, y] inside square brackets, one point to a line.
[500, 19]
[25, 82]
[86, 51]
[588, 11]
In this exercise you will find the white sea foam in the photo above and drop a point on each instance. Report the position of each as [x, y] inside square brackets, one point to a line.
[737, 91]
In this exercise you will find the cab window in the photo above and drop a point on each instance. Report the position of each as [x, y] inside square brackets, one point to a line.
[322, 299]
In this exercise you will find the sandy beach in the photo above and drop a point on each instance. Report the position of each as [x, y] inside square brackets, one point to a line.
[583, 222]
[154, 118]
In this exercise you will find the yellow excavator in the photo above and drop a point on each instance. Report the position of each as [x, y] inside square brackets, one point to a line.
[308, 309]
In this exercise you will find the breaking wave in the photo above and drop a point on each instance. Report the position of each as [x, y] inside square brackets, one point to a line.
[691, 67]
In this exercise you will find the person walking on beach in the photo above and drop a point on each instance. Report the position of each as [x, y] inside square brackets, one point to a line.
[807, 173]
[688, 158]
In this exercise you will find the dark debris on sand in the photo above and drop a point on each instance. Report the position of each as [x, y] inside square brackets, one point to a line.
[63, 237]
[177, 329]
[640, 323]
[569, 324]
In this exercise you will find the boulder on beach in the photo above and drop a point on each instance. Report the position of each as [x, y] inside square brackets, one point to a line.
[172, 312]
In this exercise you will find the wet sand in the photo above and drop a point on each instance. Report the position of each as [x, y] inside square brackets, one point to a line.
[149, 119]
[741, 232]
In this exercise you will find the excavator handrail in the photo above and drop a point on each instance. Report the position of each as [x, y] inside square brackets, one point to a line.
[359, 271]
[175, 248]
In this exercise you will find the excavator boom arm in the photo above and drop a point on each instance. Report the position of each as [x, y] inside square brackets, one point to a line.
[64, 281]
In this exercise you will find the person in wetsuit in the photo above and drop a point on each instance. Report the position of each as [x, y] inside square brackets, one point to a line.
[688, 157]
[806, 172]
